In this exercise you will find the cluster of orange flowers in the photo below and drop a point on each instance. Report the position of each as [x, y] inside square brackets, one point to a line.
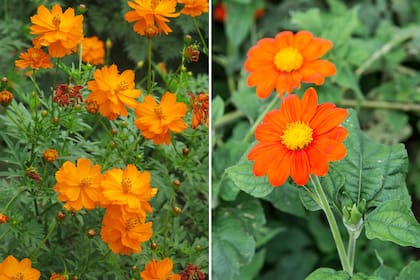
[300, 137]
[151, 16]
[124, 194]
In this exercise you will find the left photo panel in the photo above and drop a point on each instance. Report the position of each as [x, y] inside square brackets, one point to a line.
[104, 139]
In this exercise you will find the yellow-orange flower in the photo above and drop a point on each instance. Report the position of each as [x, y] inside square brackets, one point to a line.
[129, 188]
[159, 270]
[50, 155]
[60, 32]
[156, 120]
[194, 7]
[149, 13]
[11, 268]
[123, 231]
[287, 60]
[34, 58]
[112, 91]
[93, 50]
[79, 185]
[299, 139]
[200, 106]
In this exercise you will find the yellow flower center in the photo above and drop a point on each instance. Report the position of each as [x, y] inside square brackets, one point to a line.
[158, 112]
[123, 85]
[288, 59]
[126, 184]
[154, 3]
[56, 20]
[130, 223]
[85, 182]
[18, 276]
[297, 136]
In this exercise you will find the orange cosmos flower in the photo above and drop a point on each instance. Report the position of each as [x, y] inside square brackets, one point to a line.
[123, 231]
[34, 58]
[299, 139]
[50, 155]
[159, 270]
[156, 120]
[93, 50]
[60, 32]
[129, 188]
[148, 12]
[112, 91]
[200, 106]
[79, 185]
[194, 7]
[11, 268]
[287, 60]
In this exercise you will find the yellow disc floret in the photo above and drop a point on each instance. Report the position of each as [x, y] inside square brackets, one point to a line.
[288, 59]
[297, 136]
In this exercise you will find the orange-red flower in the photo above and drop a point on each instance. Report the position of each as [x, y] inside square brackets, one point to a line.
[129, 188]
[93, 51]
[200, 106]
[194, 7]
[123, 231]
[50, 155]
[112, 91]
[11, 268]
[159, 270]
[285, 61]
[60, 32]
[299, 139]
[147, 13]
[79, 185]
[156, 120]
[34, 58]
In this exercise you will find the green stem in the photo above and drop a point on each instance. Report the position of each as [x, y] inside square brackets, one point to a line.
[36, 251]
[262, 115]
[197, 27]
[323, 203]
[166, 225]
[351, 250]
[398, 106]
[80, 60]
[4, 234]
[149, 64]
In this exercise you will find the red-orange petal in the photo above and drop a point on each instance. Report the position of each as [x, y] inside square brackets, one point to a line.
[299, 167]
[291, 108]
[302, 39]
[309, 103]
[325, 120]
[284, 39]
[316, 48]
[316, 71]
[279, 169]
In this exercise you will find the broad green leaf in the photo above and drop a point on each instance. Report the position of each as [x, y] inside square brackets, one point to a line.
[234, 229]
[385, 272]
[362, 276]
[247, 101]
[239, 21]
[232, 245]
[243, 177]
[217, 108]
[393, 221]
[228, 190]
[411, 271]
[327, 274]
[372, 171]
[251, 271]
[310, 20]
[286, 199]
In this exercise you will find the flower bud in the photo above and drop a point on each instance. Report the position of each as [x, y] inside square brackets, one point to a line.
[44, 113]
[91, 233]
[60, 215]
[153, 246]
[6, 97]
[185, 151]
[4, 80]
[177, 210]
[50, 155]
[3, 218]
[176, 183]
[108, 43]
[187, 39]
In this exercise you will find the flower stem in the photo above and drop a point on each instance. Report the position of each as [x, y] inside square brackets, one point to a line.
[36, 251]
[351, 249]
[197, 27]
[323, 203]
[13, 199]
[149, 64]
[262, 115]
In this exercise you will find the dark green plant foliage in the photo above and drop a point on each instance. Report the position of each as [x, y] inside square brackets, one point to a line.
[376, 47]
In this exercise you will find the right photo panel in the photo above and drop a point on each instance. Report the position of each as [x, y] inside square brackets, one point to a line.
[315, 140]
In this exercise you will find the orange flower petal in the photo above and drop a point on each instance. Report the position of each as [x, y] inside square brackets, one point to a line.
[300, 168]
[316, 71]
[317, 48]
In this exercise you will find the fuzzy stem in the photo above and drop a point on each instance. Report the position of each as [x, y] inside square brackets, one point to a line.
[351, 250]
[323, 203]
[197, 27]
